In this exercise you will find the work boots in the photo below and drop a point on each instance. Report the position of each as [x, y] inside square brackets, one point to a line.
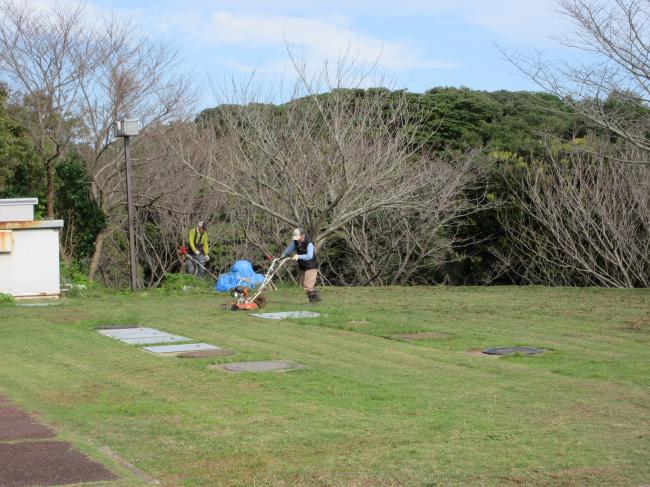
[314, 297]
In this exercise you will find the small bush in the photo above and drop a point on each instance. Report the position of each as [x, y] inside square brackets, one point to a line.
[75, 277]
[6, 299]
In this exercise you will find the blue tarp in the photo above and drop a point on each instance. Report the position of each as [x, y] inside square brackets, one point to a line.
[241, 274]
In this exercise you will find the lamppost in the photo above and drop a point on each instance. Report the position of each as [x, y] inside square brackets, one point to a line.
[126, 128]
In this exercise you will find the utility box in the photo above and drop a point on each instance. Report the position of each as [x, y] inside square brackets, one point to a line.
[17, 209]
[126, 127]
[29, 251]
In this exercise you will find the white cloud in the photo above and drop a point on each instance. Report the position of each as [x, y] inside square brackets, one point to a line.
[321, 38]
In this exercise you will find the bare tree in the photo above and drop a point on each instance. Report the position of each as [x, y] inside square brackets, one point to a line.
[78, 74]
[584, 220]
[406, 245]
[134, 78]
[333, 154]
[612, 92]
[44, 56]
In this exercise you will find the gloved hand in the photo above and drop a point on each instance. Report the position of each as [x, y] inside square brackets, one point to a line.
[295, 257]
[196, 252]
[207, 258]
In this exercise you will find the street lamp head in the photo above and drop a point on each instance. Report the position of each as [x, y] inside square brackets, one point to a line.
[126, 127]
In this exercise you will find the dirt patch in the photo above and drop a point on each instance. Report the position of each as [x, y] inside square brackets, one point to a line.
[358, 323]
[642, 325]
[420, 336]
[605, 475]
[16, 424]
[47, 463]
[206, 353]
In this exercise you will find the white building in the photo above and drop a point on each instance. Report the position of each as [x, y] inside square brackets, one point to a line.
[29, 251]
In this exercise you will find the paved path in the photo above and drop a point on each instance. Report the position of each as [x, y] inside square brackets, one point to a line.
[29, 456]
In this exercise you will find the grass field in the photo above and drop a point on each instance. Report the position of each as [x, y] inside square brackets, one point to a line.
[369, 409]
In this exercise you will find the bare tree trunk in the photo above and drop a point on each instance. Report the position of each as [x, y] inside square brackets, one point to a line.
[97, 254]
[50, 189]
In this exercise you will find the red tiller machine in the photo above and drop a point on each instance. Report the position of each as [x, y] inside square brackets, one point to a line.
[245, 300]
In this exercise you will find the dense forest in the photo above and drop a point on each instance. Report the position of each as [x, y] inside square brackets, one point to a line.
[452, 186]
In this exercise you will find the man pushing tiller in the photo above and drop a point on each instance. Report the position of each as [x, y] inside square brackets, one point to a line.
[305, 256]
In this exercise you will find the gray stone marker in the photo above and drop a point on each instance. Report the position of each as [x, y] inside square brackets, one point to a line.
[142, 336]
[263, 366]
[190, 347]
[283, 315]
[156, 339]
[121, 333]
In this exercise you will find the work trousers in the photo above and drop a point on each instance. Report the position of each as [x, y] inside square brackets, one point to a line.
[192, 268]
[308, 280]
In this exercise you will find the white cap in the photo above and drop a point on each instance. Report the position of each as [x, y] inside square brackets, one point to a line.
[297, 234]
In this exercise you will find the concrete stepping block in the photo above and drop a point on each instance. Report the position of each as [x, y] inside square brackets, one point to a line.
[142, 336]
[420, 336]
[121, 333]
[262, 366]
[47, 463]
[283, 315]
[155, 339]
[190, 347]
[221, 352]
[16, 424]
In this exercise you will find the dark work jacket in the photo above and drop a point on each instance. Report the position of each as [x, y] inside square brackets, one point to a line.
[301, 249]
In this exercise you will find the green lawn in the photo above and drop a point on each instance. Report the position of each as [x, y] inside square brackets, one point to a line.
[369, 409]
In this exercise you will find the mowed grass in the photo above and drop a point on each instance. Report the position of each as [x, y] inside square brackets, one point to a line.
[369, 409]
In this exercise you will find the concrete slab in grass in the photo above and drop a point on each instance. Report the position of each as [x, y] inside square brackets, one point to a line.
[47, 463]
[189, 347]
[283, 315]
[261, 366]
[120, 333]
[16, 424]
[156, 339]
[142, 336]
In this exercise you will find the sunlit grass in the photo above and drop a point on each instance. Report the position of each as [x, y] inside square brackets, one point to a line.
[369, 409]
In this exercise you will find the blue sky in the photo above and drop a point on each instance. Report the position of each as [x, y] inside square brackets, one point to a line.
[418, 43]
